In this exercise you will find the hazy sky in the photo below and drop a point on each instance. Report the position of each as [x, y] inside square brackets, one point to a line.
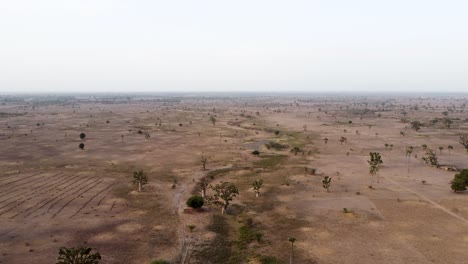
[255, 45]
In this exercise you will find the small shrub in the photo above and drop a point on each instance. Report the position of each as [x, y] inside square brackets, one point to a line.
[82, 135]
[195, 202]
[159, 261]
[81, 146]
[256, 152]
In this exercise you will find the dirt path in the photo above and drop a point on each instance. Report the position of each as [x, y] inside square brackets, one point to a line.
[427, 199]
[181, 232]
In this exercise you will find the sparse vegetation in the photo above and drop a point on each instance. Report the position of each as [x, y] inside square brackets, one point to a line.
[78, 255]
[140, 179]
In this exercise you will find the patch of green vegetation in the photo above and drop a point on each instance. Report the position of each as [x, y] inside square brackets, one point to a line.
[212, 174]
[269, 260]
[247, 235]
[269, 161]
[276, 146]
[4, 114]
[219, 249]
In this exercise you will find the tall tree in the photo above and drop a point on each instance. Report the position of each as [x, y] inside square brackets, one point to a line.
[257, 184]
[140, 178]
[291, 240]
[464, 141]
[374, 165]
[213, 119]
[326, 182]
[203, 183]
[224, 193]
[204, 160]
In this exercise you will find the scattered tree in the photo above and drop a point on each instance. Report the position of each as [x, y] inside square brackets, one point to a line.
[81, 145]
[204, 160]
[203, 183]
[460, 181]
[225, 192]
[374, 163]
[79, 255]
[343, 140]
[257, 184]
[140, 178]
[450, 148]
[291, 240]
[416, 125]
[326, 182]
[464, 141]
[213, 119]
[431, 158]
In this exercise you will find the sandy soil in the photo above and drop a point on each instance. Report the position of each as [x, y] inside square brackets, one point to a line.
[53, 194]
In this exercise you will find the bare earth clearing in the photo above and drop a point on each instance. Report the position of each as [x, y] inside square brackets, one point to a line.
[53, 194]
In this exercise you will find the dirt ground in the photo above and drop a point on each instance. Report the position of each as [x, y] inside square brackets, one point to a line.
[54, 194]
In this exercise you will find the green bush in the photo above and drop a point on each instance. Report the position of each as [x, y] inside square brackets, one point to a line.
[269, 260]
[460, 181]
[275, 146]
[256, 152]
[195, 202]
[159, 261]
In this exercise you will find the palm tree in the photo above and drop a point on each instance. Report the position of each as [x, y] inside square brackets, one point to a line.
[326, 182]
[374, 162]
[409, 151]
[140, 178]
[292, 240]
[257, 184]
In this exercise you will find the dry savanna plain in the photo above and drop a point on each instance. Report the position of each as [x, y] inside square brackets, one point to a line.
[55, 194]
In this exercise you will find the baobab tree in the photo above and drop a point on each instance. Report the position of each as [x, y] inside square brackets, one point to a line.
[224, 193]
[140, 178]
[374, 163]
[326, 182]
[464, 141]
[204, 160]
[203, 183]
[257, 184]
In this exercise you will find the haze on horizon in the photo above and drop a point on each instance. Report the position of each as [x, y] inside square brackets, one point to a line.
[226, 46]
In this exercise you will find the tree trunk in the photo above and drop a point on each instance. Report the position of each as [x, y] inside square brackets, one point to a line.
[257, 194]
[203, 192]
[139, 186]
[224, 209]
[291, 256]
